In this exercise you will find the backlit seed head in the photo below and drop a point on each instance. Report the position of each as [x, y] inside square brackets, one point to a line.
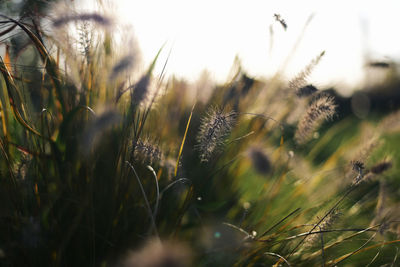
[214, 128]
[321, 109]
[140, 90]
[146, 152]
[324, 225]
[358, 167]
[300, 80]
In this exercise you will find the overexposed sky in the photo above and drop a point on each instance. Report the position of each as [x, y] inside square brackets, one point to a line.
[208, 34]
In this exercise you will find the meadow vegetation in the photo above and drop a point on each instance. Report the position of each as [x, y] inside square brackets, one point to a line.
[104, 164]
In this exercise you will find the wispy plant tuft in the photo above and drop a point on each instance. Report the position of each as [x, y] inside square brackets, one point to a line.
[358, 167]
[306, 91]
[215, 126]
[279, 18]
[97, 18]
[146, 152]
[371, 173]
[260, 160]
[322, 108]
[124, 64]
[140, 90]
[300, 80]
[86, 40]
[324, 225]
[381, 167]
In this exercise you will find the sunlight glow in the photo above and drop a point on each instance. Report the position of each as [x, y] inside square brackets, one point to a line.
[209, 34]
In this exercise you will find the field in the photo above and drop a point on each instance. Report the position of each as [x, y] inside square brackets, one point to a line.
[104, 164]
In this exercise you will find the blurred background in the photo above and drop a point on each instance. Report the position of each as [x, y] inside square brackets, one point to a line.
[210, 34]
[206, 36]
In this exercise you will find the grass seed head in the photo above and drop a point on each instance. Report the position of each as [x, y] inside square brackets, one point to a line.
[260, 160]
[124, 64]
[324, 225]
[301, 79]
[97, 18]
[279, 18]
[214, 128]
[145, 152]
[321, 109]
[140, 90]
[306, 91]
[358, 167]
[381, 167]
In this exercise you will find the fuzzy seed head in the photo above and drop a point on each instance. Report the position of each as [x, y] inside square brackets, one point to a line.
[260, 160]
[324, 225]
[97, 18]
[145, 152]
[306, 91]
[214, 128]
[124, 64]
[140, 90]
[321, 109]
[279, 18]
[301, 79]
[358, 167]
[381, 167]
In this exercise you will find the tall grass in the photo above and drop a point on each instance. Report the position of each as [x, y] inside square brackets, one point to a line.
[103, 168]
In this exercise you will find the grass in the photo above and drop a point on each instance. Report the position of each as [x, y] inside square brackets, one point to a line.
[98, 161]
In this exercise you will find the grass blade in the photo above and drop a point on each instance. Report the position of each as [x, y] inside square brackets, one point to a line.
[183, 141]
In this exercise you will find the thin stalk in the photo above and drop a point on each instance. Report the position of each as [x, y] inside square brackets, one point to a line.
[357, 250]
[282, 220]
[279, 256]
[322, 219]
[153, 223]
[322, 247]
[173, 183]
[183, 141]
[158, 191]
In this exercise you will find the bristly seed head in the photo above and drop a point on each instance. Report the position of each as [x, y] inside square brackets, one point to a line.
[359, 167]
[323, 226]
[145, 152]
[97, 18]
[140, 90]
[321, 109]
[215, 126]
[279, 18]
[381, 167]
[306, 91]
[260, 160]
[301, 79]
[124, 64]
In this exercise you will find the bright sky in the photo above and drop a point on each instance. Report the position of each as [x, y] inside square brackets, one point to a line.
[208, 34]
